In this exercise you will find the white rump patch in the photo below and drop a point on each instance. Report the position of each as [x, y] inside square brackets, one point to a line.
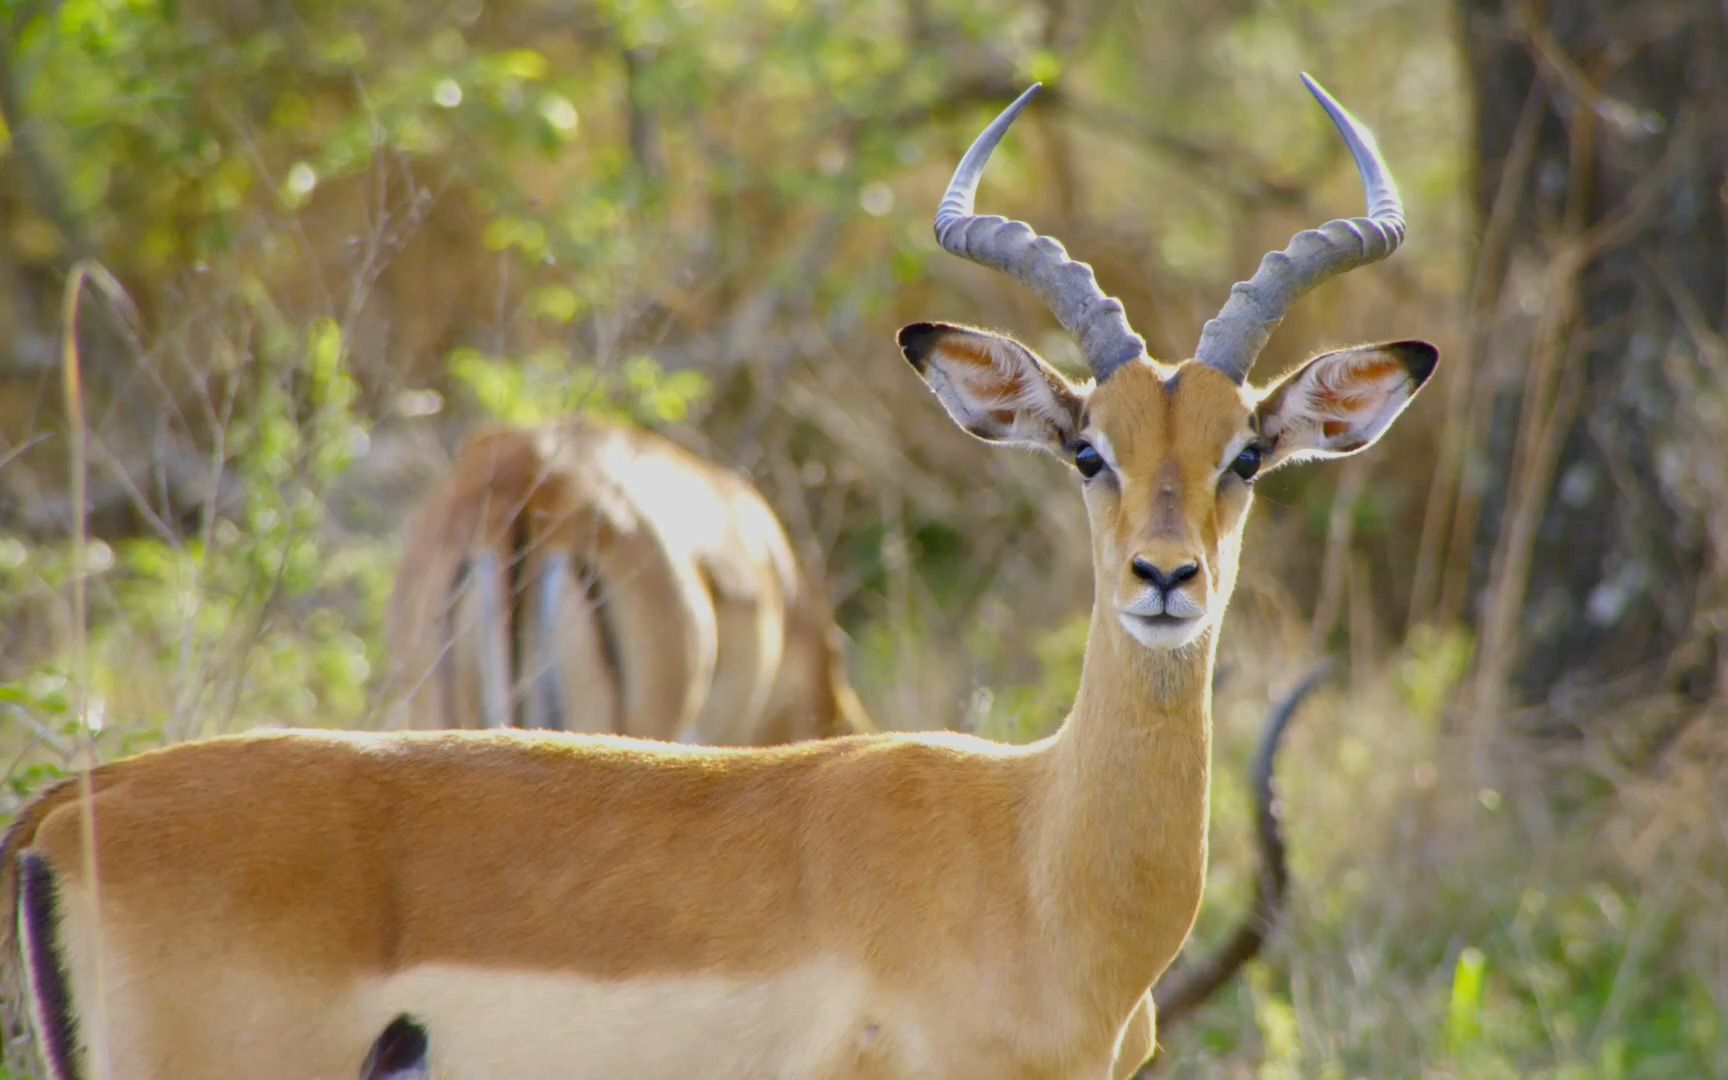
[485, 1023]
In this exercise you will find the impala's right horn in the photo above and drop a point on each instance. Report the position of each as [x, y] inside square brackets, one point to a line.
[1234, 339]
[1067, 288]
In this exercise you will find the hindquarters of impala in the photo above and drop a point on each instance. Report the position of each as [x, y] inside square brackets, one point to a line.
[591, 577]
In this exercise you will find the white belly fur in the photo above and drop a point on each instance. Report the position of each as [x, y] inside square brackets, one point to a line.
[484, 1023]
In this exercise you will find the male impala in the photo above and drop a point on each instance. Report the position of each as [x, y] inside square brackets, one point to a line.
[532, 904]
[593, 577]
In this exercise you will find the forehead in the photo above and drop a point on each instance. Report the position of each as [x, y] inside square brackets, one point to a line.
[1146, 410]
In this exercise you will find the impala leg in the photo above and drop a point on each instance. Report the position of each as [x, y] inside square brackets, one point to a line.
[491, 589]
[546, 690]
[750, 636]
[478, 679]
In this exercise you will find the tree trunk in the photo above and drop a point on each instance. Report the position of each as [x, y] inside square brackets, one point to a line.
[1592, 513]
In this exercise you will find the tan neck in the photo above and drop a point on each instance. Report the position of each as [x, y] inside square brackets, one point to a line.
[1121, 837]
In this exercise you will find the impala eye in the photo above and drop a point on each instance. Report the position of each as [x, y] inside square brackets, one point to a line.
[1088, 460]
[1247, 463]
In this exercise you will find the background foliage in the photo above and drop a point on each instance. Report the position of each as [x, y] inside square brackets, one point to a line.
[351, 231]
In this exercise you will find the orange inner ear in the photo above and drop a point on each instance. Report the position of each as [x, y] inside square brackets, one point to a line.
[1355, 394]
[1344, 402]
[1011, 389]
[1334, 428]
[1007, 388]
[967, 353]
[1376, 371]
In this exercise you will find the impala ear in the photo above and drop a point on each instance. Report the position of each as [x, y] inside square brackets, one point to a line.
[995, 387]
[1340, 402]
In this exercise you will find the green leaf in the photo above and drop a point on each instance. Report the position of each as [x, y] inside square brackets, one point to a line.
[1464, 1012]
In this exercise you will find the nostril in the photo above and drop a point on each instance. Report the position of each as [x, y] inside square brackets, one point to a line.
[1148, 571]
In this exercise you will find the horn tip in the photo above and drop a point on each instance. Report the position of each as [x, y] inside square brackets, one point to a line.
[1317, 90]
[1025, 98]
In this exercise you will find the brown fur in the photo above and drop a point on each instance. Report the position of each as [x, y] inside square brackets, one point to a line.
[882, 905]
[707, 628]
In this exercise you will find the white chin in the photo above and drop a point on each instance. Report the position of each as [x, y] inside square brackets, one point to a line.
[1159, 632]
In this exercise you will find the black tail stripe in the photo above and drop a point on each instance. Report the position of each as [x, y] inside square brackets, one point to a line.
[39, 903]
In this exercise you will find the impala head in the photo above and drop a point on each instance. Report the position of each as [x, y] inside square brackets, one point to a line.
[1168, 454]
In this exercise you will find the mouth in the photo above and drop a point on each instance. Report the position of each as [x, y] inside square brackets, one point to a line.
[1163, 631]
[1165, 619]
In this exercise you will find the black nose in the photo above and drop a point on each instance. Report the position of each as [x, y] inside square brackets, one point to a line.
[1146, 571]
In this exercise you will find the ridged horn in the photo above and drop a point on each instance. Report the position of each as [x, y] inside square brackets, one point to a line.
[1068, 288]
[1233, 340]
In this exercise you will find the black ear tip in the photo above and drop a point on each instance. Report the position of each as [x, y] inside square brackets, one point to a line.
[1420, 358]
[916, 340]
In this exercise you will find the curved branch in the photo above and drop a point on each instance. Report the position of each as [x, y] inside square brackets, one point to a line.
[1186, 988]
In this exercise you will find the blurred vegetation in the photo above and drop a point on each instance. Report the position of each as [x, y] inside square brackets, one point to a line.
[351, 231]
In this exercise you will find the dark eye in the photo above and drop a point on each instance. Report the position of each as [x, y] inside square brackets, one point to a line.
[1088, 460]
[1247, 463]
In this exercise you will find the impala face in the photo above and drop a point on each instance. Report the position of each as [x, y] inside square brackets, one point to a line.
[1172, 456]
[1167, 455]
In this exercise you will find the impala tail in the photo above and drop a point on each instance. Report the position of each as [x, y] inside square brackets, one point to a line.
[1189, 986]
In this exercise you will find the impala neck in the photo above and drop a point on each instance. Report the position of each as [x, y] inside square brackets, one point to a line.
[1122, 845]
